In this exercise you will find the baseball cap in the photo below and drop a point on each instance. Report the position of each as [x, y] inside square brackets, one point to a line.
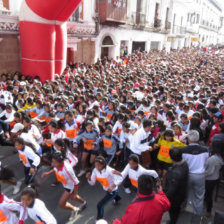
[218, 115]
[22, 83]
[17, 127]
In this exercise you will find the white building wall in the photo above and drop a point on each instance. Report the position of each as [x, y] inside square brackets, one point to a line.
[120, 34]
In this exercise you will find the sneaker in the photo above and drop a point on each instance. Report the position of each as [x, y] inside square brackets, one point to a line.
[83, 206]
[17, 187]
[74, 214]
[127, 190]
[54, 184]
[81, 173]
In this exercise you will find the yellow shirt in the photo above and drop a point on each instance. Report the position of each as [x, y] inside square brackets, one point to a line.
[165, 147]
[26, 107]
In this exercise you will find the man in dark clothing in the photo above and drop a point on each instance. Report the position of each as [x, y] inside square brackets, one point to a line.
[176, 184]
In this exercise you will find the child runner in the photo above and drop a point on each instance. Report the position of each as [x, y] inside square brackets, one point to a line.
[110, 143]
[89, 137]
[65, 174]
[29, 159]
[134, 170]
[36, 208]
[8, 208]
[109, 181]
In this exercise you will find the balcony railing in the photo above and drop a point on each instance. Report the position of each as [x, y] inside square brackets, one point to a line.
[157, 23]
[112, 12]
[138, 18]
[179, 30]
[168, 25]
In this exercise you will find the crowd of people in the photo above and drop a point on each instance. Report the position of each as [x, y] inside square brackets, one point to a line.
[150, 122]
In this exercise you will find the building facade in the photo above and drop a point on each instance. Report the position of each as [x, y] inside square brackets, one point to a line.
[112, 28]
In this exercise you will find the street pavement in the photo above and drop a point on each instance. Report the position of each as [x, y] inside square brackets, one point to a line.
[50, 195]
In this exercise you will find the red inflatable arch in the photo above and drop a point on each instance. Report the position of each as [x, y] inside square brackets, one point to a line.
[43, 36]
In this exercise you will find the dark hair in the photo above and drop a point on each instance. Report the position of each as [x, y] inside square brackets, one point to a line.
[20, 141]
[101, 160]
[145, 184]
[217, 148]
[27, 119]
[53, 123]
[60, 142]
[133, 158]
[147, 123]
[175, 154]
[69, 113]
[31, 191]
[58, 156]
[169, 133]
[222, 127]
[195, 123]
[109, 127]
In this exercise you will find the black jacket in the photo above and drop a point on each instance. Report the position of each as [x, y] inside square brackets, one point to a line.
[176, 184]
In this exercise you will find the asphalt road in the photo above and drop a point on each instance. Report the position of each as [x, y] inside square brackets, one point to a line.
[50, 195]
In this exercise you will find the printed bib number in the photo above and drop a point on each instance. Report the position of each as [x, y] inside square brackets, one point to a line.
[3, 218]
[89, 144]
[109, 116]
[134, 182]
[107, 143]
[119, 131]
[39, 222]
[60, 178]
[164, 151]
[103, 181]
[11, 124]
[71, 133]
[33, 114]
[146, 113]
[45, 119]
[23, 158]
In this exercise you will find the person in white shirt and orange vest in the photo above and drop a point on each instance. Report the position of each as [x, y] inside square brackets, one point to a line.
[8, 209]
[109, 181]
[66, 175]
[29, 158]
[70, 126]
[133, 171]
[36, 208]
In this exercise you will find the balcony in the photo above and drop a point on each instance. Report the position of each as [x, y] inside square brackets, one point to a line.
[112, 12]
[167, 25]
[157, 23]
[138, 19]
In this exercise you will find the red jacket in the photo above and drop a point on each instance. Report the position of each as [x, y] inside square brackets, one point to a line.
[146, 209]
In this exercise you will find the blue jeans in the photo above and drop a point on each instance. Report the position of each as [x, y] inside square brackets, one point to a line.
[110, 196]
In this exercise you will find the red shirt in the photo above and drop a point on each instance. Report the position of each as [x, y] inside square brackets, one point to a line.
[146, 209]
[214, 131]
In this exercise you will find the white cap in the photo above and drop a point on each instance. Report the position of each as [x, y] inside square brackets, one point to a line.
[133, 126]
[197, 88]
[101, 221]
[17, 127]
[22, 83]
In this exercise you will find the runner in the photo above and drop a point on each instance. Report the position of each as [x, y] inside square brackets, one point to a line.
[109, 181]
[65, 175]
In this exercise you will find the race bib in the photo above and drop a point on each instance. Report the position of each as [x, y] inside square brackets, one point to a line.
[103, 181]
[71, 133]
[107, 143]
[89, 144]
